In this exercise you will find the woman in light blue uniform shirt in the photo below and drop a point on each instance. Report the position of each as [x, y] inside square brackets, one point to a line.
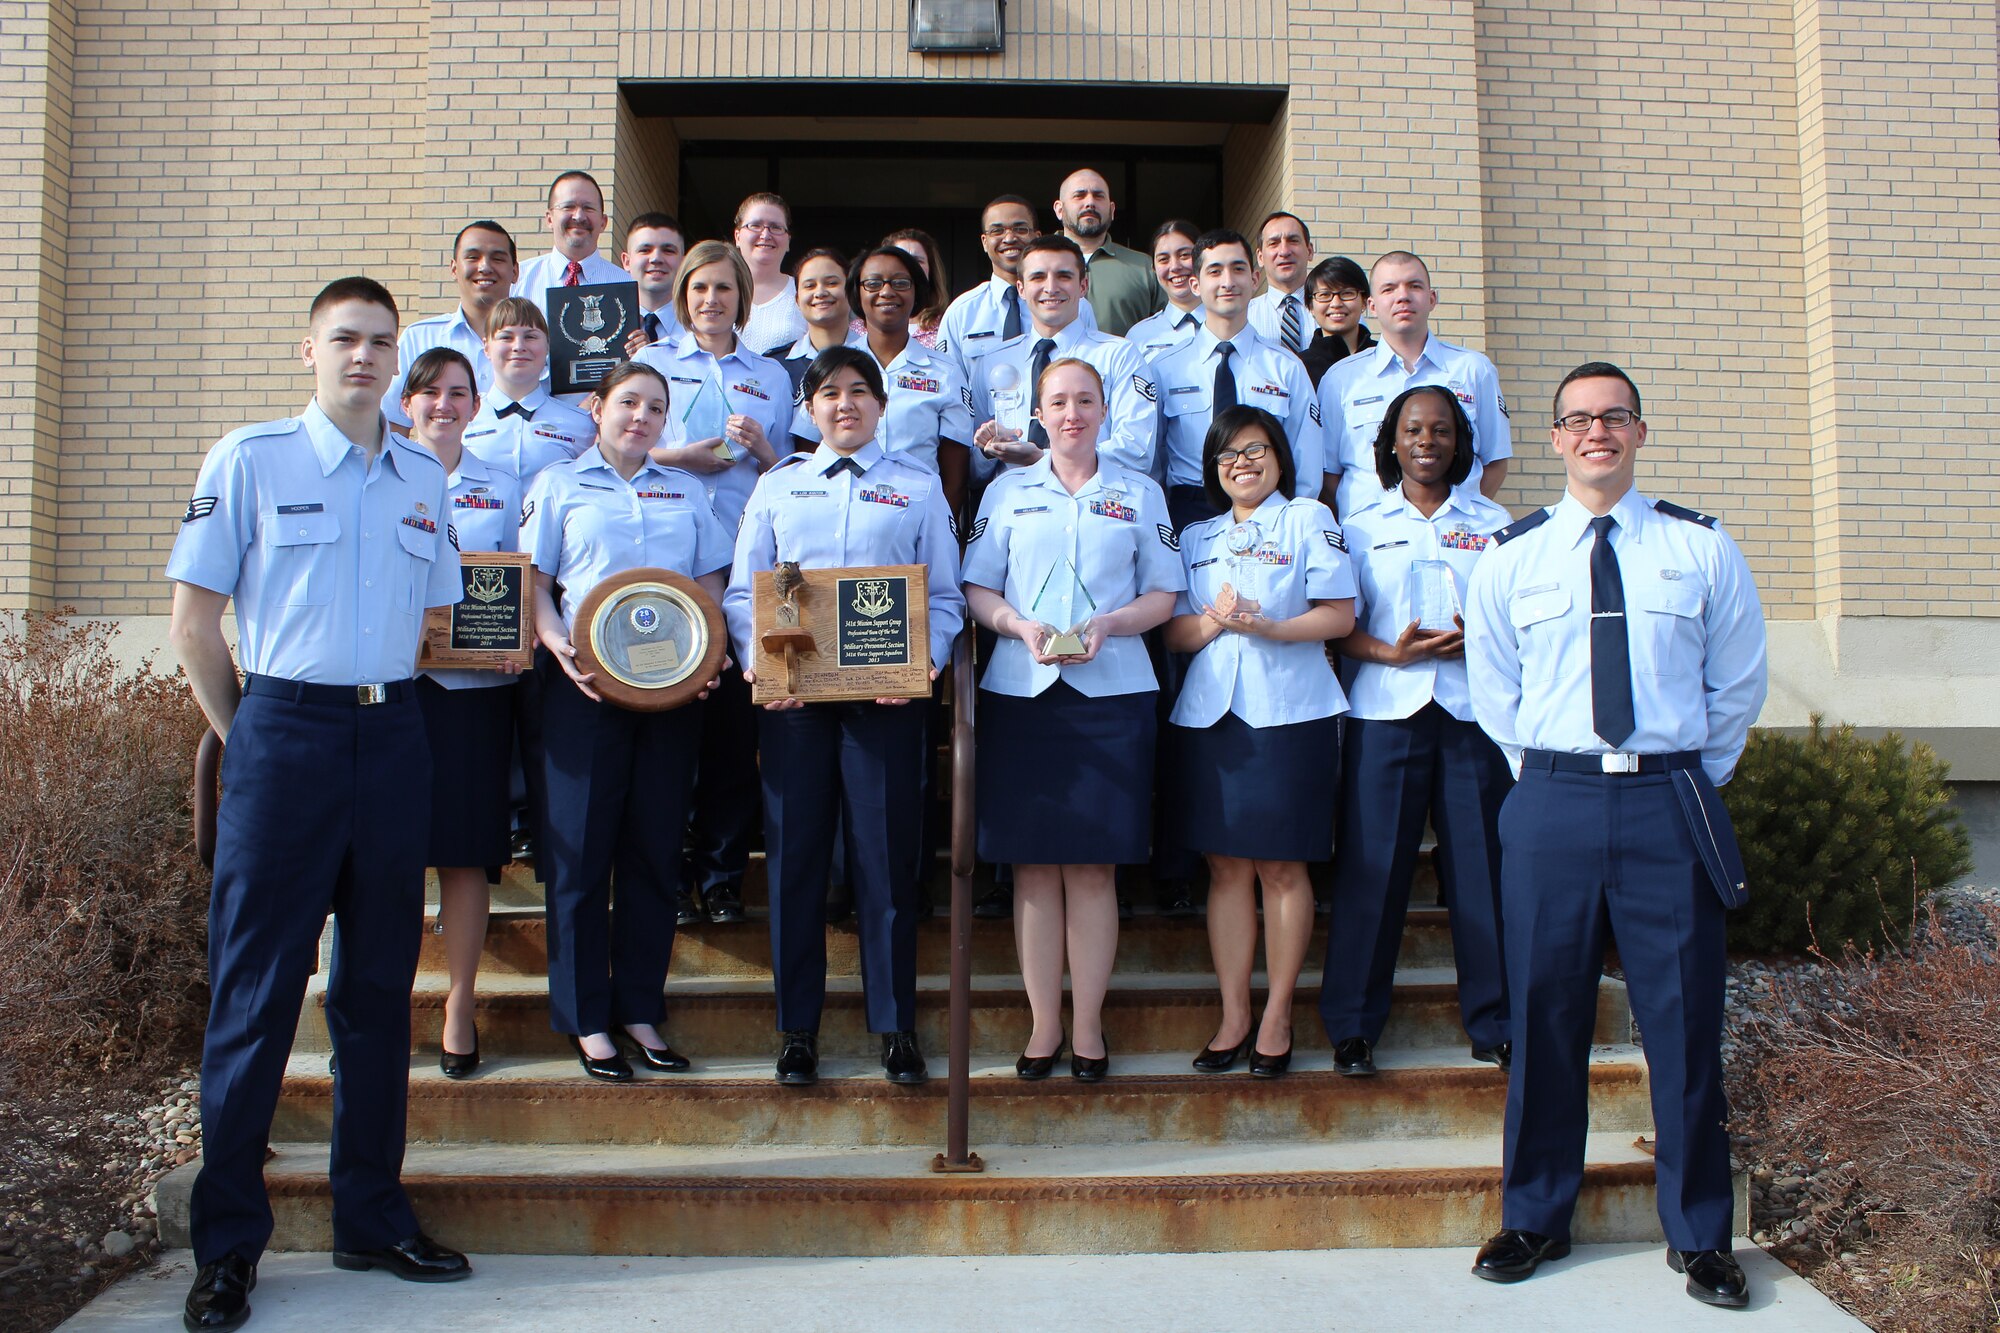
[618, 781]
[848, 503]
[1071, 542]
[1255, 725]
[1413, 752]
[468, 715]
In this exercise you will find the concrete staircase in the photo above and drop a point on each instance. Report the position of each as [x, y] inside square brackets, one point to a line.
[531, 1157]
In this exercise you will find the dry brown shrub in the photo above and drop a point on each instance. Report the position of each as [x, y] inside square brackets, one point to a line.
[1886, 1069]
[103, 906]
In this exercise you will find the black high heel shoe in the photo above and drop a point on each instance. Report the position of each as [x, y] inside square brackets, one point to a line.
[613, 1069]
[663, 1058]
[1034, 1068]
[1213, 1060]
[1270, 1066]
[1088, 1069]
[454, 1065]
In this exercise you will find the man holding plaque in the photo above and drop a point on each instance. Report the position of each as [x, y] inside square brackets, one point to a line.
[654, 247]
[847, 504]
[326, 789]
[483, 268]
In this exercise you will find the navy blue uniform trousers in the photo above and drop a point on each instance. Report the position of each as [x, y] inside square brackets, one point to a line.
[325, 808]
[859, 763]
[1590, 860]
[1395, 774]
[725, 794]
[617, 785]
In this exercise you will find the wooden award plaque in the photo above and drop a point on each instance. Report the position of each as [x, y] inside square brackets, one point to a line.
[652, 638]
[868, 629]
[494, 623]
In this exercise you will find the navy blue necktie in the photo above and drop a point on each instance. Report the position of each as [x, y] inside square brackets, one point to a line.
[515, 409]
[1610, 650]
[841, 465]
[652, 327]
[1225, 378]
[1043, 349]
[1012, 328]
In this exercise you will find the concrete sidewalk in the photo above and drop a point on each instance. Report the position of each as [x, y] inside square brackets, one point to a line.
[1616, 1286]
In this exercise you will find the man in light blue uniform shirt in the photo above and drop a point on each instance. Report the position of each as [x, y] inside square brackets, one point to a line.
[654, 248]
[983, 317]
[1615, 654]
[1054, 281]
[331, 535]
[483, 268]
[1225, 363]
[1355, 393]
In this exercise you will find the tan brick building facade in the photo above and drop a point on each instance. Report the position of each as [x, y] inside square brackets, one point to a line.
[1779, 216]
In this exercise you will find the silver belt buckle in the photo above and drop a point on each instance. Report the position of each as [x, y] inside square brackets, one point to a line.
[371, 694]
[1619, 763]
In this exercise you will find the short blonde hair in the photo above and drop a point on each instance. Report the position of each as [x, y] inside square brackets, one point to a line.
[714, 252]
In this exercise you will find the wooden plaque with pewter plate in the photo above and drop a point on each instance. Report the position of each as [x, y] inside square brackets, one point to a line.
[493, 623]
[652, 637]
[828, 634]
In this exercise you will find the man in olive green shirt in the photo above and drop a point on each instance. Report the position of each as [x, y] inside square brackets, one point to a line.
[1122, 289]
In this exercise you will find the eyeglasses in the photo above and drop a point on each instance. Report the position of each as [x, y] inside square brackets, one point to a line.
[994, 233]
[1578, 423]
[1342, 296]
[764, 228]
[893, 284]
[1249, 453]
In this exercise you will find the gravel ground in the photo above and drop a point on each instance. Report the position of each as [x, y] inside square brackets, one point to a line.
[76, 1172]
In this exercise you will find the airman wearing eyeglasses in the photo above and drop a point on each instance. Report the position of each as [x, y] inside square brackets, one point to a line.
[985, 316]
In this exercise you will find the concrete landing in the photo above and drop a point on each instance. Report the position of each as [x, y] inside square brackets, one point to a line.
[1596, 1287]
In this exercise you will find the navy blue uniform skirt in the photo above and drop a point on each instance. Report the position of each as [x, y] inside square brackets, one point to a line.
[471, 736]
[1262, 793]
[1064, 778]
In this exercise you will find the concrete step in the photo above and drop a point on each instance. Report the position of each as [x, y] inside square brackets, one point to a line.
[1130, 1198]
[517, 945]
[710, 1017]
[1419, 1094]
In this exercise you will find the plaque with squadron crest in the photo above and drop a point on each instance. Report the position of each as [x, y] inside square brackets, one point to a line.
[827, 634]
[588, 327]
[494, 623]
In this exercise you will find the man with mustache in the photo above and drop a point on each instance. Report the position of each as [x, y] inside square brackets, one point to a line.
[1122, 289]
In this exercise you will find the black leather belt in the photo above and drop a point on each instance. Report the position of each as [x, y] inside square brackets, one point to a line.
[1613, 764]
[349, 696]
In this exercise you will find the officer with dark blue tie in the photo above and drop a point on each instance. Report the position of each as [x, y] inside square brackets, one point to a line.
[330, 533]
[1615, 653]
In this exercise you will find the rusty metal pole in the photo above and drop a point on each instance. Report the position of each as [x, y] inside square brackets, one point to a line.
[957, 1155]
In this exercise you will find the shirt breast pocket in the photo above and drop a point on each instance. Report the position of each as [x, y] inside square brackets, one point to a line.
[421, 547]
[1669, 618]
[1537, 619]
[303, 560]
[1175, 404]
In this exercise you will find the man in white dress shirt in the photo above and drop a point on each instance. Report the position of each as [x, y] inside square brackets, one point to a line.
[1285, 255]
[575, 219]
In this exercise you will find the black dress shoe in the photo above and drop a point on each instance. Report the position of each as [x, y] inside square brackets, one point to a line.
[1176, 898]
[663, 1058]
[1124, 903]
[454, 1065]
[1214, 1061]
[1354, 1057]
[1502, 1055]
[220, 1297]
[996, 904]
[1270, 1066]
[1035, 1068]
[691, 911]
[1085, 1069]
[725, 904]
[902, 1060]
[1513, 1254]
[1714, 1277]
[613, 1068]
[839, 903]
[416, 1259]
[798, 1060]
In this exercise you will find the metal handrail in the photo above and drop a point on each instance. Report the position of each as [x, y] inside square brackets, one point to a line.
[957, 1155]
[207, 782]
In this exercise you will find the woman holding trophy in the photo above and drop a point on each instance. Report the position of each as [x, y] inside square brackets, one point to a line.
[1071, 560]
[618, 781]
[1268, 583]
[468, 715]
[1413, 751]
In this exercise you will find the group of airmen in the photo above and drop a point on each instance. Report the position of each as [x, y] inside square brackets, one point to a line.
[1243, 592]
